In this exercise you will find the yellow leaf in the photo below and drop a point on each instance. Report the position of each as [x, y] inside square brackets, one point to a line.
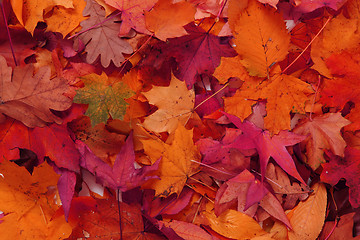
[175, 103]
[176, 164]
[65, 20]
[308, 217]
[261, 38]
[234, 224]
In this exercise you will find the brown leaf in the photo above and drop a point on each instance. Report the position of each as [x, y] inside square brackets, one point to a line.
[28, 97]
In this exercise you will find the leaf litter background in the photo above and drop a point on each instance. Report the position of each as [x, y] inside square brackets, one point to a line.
[211, 119]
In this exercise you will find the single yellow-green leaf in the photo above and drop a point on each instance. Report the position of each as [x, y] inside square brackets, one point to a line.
[104, 99]
[261, 38]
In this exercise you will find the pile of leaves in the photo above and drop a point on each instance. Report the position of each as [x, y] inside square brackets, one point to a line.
[197, 119]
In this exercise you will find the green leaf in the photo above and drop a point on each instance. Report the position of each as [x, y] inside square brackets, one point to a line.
[104, 99]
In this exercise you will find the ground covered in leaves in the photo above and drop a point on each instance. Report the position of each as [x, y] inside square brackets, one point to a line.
[198, 119]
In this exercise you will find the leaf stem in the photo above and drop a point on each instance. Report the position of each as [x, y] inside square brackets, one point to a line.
[8, 33]
[313, 103]
[94, 26]
[211, 96]
[303, 51]
[119, 209]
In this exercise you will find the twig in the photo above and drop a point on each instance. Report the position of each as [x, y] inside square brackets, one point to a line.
[8, 33]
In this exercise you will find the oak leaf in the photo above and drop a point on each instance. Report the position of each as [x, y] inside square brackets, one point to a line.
[29, 13]
[101, 39]
[267, 146]
[323, 133]
[28, 97]
[28, 203]
[178, 162]
[104, 99]
[175, 104]
[166, 19]
[261, 38]
[132, 14]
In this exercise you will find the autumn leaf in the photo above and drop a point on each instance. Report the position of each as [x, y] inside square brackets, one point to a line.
[123, 175]
[52, 141]
[267, 146]
[175, 104]
[178, 162]
[261, 38]
[342, 231]
[307, 218]
[324, 133]
[65, 20]
[197, 53]
[166, 20]
[188, 231]
[101, 37]
[29, 13]
[28, 203]
[132, 14]
[349, 170]
[104, 99]
[29, 97]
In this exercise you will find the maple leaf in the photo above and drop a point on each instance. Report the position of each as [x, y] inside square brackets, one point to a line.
[101, 37]
[29, 13]
[177, 164]
[284, 94]
[132, 14]
[348, 168]
[104, 99]
[103, 223]
[29, 98]
[261, 38]
[267, 146]
[122, 175]
[166, 19]
[174, 103]
[51, 141]
[197, 53]
[28, 203]
[324, 133]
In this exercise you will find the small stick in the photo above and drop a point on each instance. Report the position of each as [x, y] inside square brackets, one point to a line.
[8, 33]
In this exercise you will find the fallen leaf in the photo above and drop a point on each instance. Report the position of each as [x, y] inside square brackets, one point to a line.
[178, 162]
[261, 38]
[29, 13]
[166, 19]
[188, 231]
[28, 203]
[132, 14]
[267, 146]
[104, 99]
[101, 40]
[65, 20]
[342, 231]
[175, 104]
[197, 53]
[28, 97]
[323, 133]
[123, 175]
[349, 166]
[307, 218]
